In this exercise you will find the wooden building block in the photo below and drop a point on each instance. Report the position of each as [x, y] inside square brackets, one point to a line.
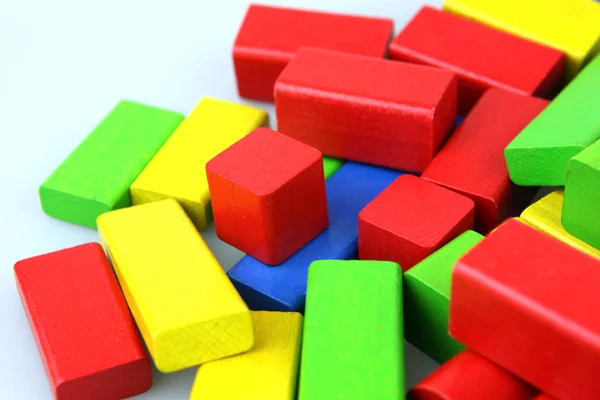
[284, 288]
[331, 165]
[345, 106]
[472, 160]
[539, 155]
[527, 302]
[468, 376]
[544, 397]
[185, 307]
[270, 36]
[570, 26]
[427, 299]
[410, 220]
[353, 347]
[269, 371]
[179, 169]
[268, 195]
[482, 57]
[95, 178]
[88, 341]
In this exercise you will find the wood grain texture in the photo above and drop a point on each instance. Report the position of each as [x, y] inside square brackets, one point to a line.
[327, 100]
[87, 339]
[353, 347]
[270, 36]
[527, 302]
[185, 307]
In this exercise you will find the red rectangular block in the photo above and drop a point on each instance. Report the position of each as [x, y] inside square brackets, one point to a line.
[366, 109]
[270, 36]
[86, 336]
[529, 303]
[481, 56]
[472, 160]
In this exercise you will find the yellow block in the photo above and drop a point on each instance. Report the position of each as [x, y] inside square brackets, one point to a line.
[183, 303]
[545, 215]
[267, 372]
[572, 26]
[178, 170]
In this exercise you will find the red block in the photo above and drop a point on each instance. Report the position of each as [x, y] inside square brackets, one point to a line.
[411, 219]
[270, 36]
[366, 109]
[529, 303]
[268, 195]
[468, 376]
[472, 160]
[86, 336]
[544, 397]
[481, 56]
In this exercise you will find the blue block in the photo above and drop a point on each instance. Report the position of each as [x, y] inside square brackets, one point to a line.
[283, 287]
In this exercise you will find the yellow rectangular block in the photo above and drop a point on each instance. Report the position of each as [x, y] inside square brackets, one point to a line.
[178, 170]
[186, 308]
[571, 26]
[267, 372]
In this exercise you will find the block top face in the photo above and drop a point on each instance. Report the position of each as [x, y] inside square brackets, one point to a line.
[589, 157]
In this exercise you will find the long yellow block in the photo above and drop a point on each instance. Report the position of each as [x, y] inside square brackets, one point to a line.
[571, 26]
[267, 372]
[178, 170]
[545, 215]
[183, 303]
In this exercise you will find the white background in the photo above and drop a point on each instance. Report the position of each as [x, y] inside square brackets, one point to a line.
[63, 65]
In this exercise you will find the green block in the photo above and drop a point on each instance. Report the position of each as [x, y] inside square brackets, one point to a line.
[538, 156]
[353, 347]
[581, 208]
[331, 165]
[96, 176]
[427, 299]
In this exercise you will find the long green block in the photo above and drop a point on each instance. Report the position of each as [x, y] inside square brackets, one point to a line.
[538, 156]
[353, 347]
[581, 206]
[96, 176]
[427, 298]
[331, 165]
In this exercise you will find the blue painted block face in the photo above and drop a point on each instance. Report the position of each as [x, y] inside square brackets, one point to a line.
[283, 287]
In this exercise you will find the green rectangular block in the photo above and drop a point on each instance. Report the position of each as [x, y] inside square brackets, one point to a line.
[353, 343]
[427, 299]
[96, 176]
[331, 165]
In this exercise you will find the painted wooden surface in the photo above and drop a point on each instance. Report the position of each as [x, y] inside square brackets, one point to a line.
[331, 165]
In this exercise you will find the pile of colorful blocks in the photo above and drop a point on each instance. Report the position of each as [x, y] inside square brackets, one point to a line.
[419, 224]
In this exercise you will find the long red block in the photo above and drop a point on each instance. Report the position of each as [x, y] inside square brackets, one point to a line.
[270, 36]
[481, 56]
[365, 109]
[529, 303]
[87, 338]
[544, 397]
[472, 160]
[411, 219]
[268, 195]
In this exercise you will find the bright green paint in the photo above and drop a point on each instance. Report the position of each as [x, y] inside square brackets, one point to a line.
[331, 165]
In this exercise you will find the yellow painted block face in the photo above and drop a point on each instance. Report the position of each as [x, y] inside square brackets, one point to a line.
[186, 308]
[545, 215]
[267, 372]
[178, 170]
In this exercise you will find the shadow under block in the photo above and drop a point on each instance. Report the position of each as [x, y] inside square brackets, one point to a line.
[268, 371]
[283, 288]
[472, 160]
[185, 307]
[270, 36]
[570, 26]
[178, 169]
[88, 341]
[96, 176]
[344, 105]
[353, 347]
[268, 195]
[427, 299]
[527, 302]
[482, 57]
[410, 220]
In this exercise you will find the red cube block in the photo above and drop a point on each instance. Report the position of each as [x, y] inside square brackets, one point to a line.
[411, 219]
[268, 195]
